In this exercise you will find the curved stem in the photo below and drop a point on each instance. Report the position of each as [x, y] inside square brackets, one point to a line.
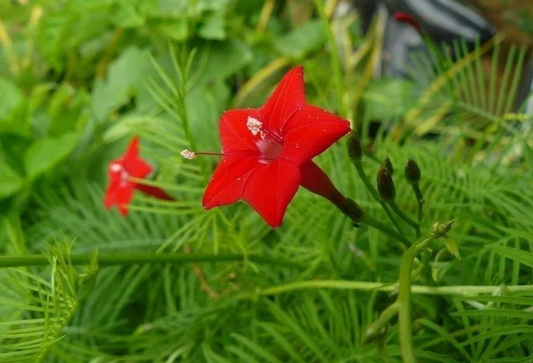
[143, 258]
[405, 217]
[404, 300]
[374, 192]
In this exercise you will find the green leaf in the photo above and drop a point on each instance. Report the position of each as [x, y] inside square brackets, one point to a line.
[44, 154]
[388, 98]
[123, 78]
[172, 28]
[11, 97]
[226, 59]
[452, 247]
[10, 181]
[302, 40]
[125, 15]
[213, 26]
[514, 254]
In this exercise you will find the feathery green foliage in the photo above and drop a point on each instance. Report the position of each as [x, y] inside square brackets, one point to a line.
[85, 76]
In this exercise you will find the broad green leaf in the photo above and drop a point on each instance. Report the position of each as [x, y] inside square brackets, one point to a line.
[302, 40]
[67, 110]
[213, 26]
[225, 59]
[123, 77]
[10, 180]
[172, 28]
[11, 97]
[44, 154]
[126, 15]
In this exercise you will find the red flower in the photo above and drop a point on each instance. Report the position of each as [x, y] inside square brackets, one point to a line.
[120, 190]
[267, 152]
[409, 19]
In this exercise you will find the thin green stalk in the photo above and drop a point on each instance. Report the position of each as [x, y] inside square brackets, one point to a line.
[385, 229]
[143, 258]
[374, 192]
[404, 300]
[335, 61]
[377, 327]
[405, 217]
[457, 290]
[420, 200]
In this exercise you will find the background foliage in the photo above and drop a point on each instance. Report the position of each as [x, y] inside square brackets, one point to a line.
[79, 78]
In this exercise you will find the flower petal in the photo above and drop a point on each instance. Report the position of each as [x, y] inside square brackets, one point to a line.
[228, 181]
[119, 194]
[235, 135]
[286, 99]
[133, 164]
[310, 132]
[315, 180]
[270, 188]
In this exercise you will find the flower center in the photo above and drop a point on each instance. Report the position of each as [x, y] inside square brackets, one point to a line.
[119, 169]
[270, 150]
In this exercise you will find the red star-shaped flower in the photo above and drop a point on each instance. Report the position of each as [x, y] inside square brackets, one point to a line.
[120, 189]
[267, 152]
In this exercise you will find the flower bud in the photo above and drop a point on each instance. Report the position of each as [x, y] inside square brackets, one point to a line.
[354, 146]
[388, 166]
[439, 229]
[412, 172]
[386, 188]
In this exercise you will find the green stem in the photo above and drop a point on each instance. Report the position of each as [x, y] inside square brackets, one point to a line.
[458, 290]
[335, 61]
[420, 199]
[374, 192]
[405, 217]
[404, 300]
[143, 258]
[384, 228]
[377, 327]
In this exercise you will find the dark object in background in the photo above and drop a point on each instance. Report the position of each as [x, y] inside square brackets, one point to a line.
[445, 21]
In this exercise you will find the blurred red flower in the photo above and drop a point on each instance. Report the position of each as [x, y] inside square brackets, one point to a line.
[121, 187]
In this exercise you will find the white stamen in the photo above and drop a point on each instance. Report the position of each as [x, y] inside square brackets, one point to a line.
[254, 125]
[188, 154]
[115, 167]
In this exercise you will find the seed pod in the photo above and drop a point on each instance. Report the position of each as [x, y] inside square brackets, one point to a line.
[354, 146]
[412, 172]
[386, 188]
[388, 166]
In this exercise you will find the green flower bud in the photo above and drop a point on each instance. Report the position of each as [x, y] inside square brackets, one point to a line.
[354, 146]
[412, 172]
[386, 188]
[439, 229]
[388, 165]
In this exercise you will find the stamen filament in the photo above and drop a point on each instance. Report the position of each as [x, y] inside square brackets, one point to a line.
[188, 154]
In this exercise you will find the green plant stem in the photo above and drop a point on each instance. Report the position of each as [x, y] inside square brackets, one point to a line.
[375, 329]
[404, 300]
[384, 228]
[335, 61]
[420, 199]
[458, 290]
[143, 258]
[374, 192]
[405, 217]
